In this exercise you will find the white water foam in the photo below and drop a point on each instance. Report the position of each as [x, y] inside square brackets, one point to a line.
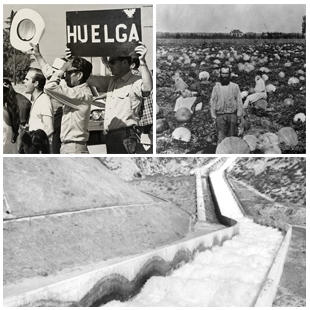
[230, 275]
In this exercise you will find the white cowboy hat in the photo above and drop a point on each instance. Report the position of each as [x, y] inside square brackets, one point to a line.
[27, 27]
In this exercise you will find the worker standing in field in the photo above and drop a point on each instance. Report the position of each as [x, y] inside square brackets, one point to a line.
[226, 105]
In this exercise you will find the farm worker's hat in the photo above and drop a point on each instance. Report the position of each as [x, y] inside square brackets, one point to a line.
[27, 27]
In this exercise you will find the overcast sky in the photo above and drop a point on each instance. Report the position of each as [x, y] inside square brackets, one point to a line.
[53, 42]
[225, 17]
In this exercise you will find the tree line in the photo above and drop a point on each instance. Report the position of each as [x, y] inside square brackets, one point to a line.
[263, 35]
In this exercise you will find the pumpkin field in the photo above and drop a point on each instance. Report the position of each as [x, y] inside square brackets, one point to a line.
[276, 125]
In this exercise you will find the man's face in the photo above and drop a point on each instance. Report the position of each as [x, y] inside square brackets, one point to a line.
[72, 77]
[116, 66]
[29, 85]
[225, 76]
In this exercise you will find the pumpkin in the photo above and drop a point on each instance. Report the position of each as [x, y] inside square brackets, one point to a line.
[273, 150]
[288, 136]
[249, 68]
[264, 69]
[183, 115]
[270, 88]
[251, 140]
[281, 75]
[241, 66]
[300, 117]
[204, 75]
[233, 145]
[267, 140]
[293, 80]
[288, 101]
[182, 134]
[262, 103]
[161, 125]
[246, 57]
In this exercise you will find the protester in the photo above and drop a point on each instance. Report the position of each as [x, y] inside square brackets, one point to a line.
[76, 96]
[123, 101]
[42, 113]
[145, 124]
[23, 103]
[35, 142]
[226, 105]
[260, 90]
[11, 119]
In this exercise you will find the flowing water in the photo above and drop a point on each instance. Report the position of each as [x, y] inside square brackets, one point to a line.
[229, 275]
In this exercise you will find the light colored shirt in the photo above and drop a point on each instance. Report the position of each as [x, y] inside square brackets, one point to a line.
[260, 86]
[77, 104]
[124, 97]
[226, 99]
[41, 106]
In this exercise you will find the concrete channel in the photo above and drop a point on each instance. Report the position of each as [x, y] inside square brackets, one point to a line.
[125, 279]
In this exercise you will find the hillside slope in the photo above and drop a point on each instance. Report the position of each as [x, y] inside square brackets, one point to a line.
[47, 185]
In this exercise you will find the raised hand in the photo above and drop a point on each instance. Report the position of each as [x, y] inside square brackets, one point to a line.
[68, 54]
[35, 50]
[141, 50]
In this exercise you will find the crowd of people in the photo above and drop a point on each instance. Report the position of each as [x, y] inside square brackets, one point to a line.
[56, 118]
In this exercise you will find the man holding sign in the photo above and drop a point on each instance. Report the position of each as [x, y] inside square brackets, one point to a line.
[68, 86]
[124, 97]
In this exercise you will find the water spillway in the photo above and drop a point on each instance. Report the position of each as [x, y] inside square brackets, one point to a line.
[229, 275]
[233, 274]
[236, 265]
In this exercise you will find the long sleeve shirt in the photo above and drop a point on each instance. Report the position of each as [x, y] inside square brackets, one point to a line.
[77, 105]
[260, 86]
[226, 99]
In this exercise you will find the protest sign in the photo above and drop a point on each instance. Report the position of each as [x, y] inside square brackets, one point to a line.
[103, 33]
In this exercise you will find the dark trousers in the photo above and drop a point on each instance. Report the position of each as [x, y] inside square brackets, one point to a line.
[56, 143]
[121, 141]
[226, 126]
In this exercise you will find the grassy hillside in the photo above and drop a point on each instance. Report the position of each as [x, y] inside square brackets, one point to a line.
[46, 185]
[282, 179]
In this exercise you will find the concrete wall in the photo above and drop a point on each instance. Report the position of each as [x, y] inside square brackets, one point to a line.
[90, 288]
[269, 290]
